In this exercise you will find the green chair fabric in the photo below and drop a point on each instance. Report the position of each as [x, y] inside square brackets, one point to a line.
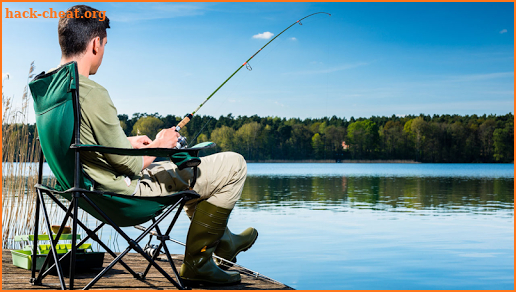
[53, 104]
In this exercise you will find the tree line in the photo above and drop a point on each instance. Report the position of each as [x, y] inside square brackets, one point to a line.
[423, 138]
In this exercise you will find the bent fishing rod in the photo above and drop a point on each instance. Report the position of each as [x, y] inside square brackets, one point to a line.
[182, 143]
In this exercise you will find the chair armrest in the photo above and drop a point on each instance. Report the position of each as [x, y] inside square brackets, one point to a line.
[157, 152]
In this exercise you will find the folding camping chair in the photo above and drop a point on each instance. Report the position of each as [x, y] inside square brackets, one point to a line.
[56, 103]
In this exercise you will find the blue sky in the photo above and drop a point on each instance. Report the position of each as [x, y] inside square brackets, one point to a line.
[367, 59]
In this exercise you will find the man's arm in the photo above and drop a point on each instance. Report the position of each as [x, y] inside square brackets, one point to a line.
[166, 138]
[101, 126]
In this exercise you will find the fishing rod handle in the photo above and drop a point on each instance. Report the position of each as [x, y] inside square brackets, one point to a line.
[183, 122]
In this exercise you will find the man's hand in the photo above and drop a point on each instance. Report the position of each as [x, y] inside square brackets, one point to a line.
[139, 141]
[167, 138]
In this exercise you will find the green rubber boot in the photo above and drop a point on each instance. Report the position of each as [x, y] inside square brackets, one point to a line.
[231, 245]
[207, 227]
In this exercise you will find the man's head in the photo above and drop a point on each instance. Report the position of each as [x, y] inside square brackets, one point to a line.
[83, 36]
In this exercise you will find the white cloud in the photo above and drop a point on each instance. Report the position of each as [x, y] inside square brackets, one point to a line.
[503, 31]
[266, 35]
[293, 39]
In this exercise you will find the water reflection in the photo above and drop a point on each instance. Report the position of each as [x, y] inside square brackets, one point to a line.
[395, 194]
[367, 226]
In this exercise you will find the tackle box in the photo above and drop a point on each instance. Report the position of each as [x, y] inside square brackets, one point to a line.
[86, 258]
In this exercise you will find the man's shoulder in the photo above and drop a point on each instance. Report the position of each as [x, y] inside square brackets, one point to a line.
[91, 90]
[89, 84]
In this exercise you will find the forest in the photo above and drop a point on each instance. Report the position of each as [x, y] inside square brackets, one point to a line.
[423, 138]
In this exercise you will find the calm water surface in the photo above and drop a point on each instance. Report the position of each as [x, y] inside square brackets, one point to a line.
[377, 226]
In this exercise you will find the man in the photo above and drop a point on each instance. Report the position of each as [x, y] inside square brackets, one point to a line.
[221, 176]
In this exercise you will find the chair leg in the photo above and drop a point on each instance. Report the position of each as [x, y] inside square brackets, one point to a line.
[154, 257]
[133, 244]
[52, 244]
[44, 272]
[73, 257]
[156, 254]
[163, 245]
[93, 236]
[169, 257]
[35, 242]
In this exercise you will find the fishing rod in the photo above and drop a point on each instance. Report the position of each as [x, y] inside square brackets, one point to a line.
[182, 143]
[152, 249]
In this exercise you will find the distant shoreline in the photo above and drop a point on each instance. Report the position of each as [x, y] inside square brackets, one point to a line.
[332, 161]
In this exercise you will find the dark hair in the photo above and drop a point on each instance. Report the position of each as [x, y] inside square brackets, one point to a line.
[75, 32]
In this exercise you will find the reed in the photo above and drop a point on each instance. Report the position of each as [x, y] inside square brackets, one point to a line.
[18, 167]
[20, 154]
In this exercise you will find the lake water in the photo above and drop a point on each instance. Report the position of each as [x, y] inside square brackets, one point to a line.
[376, 226]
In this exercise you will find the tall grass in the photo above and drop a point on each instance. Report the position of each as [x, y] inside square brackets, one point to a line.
[19, 172]
[20, 154]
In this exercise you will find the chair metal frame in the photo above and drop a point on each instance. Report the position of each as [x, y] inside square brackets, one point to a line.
[53, 261]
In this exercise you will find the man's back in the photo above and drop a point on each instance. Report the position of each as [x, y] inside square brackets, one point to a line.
[100, 126]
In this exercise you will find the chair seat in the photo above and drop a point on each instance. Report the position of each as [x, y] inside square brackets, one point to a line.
[125, 210]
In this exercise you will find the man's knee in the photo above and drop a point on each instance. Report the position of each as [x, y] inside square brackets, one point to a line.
[239, 163]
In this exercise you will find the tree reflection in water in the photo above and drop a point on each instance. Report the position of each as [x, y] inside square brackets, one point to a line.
[394, 194]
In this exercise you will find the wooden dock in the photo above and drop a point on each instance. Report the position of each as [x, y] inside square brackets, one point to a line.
[14, 278]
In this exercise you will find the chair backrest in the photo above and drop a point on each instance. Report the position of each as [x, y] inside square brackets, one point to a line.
[56, 97]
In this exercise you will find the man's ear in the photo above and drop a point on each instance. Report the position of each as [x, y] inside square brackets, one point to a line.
[96, 45]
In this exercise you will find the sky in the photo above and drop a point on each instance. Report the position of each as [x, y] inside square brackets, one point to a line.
[366, 59]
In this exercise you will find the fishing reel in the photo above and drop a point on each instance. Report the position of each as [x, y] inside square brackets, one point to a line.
[181, 143]
[150, 249]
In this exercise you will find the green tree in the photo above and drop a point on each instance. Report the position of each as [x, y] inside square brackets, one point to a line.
[246, 138]
[334, 137]
[503, 142]
[485, 133]
[393, 139]
[419, 128]
[224, 137]
[318, 145]
[148, 125]
[363, 137]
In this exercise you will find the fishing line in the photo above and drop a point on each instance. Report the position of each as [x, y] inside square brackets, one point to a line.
[249, 68]
[182, 141]
[237, 86]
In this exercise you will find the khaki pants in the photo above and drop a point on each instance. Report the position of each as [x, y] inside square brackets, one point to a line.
[220, 180]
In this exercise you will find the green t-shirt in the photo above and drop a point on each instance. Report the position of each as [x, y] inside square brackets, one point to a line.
[100, 126]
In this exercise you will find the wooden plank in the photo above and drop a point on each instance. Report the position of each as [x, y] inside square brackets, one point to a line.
[14, 278]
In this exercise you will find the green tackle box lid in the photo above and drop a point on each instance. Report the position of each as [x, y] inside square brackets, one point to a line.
[44, 237]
